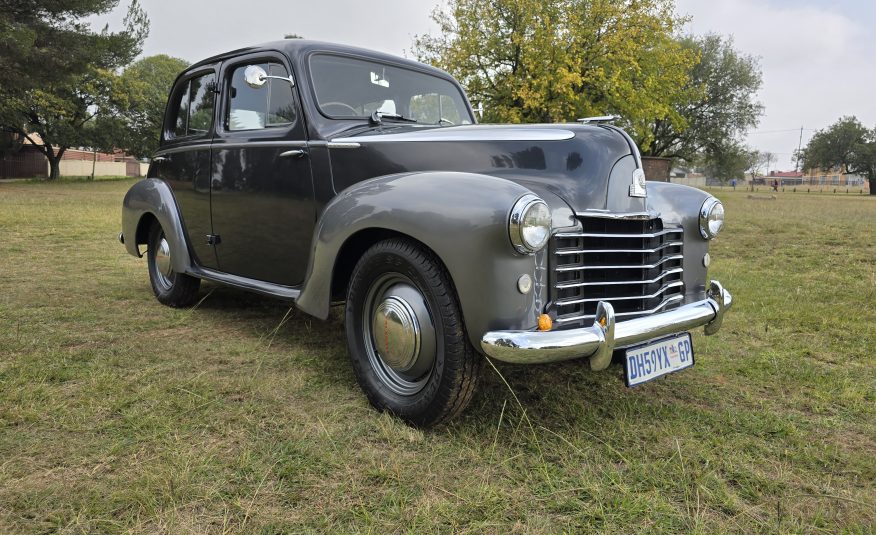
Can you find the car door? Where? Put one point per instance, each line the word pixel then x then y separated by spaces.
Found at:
pixel 184 158
pixel 262 190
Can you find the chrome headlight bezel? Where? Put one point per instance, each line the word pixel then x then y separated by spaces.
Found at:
pixel 712 206
pixel 517 224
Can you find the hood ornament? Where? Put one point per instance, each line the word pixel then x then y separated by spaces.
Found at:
pixel 599 119
pixel 637 188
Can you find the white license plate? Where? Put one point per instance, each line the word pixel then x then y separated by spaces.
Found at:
pixel 654 359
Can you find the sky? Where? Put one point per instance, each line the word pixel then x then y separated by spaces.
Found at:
pixel 818 56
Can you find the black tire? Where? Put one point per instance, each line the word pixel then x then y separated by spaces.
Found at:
pixel 438 386
pixel 170 288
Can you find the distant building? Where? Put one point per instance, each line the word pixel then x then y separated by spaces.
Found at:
pixel 832 177
pixel 23 159
pixel 697 180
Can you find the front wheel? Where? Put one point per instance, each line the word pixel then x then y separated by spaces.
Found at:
pixel 170 288
pixel 406 337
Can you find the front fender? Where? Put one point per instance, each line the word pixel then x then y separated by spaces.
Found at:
pixel 461 217
pixel 154 196
pixel 679 205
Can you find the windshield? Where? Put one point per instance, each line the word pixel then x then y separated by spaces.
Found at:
pixel 354 88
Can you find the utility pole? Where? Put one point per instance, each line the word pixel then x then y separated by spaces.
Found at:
pixel 799 146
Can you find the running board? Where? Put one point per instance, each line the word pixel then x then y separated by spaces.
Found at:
pixel 279 291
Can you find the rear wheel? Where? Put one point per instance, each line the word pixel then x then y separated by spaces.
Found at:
pixel 170 288
pixel 405 334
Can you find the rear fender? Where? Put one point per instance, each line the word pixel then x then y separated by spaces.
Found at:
pixel 154 196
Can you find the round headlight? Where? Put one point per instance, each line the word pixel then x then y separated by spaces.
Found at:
pixel 711 218
pixel 530 224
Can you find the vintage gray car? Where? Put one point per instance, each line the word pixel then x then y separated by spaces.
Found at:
pixel 322 174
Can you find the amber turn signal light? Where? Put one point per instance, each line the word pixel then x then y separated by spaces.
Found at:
pixel 545 323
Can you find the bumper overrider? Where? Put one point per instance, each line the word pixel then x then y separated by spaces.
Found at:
pixel 605 335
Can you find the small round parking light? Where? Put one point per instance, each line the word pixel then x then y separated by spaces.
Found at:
pixel 524 284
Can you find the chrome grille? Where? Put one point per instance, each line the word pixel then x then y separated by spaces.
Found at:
pixel 634 264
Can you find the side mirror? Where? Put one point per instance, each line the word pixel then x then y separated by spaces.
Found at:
pixel 256 77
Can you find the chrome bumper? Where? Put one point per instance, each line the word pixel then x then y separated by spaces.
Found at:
pixel 600 339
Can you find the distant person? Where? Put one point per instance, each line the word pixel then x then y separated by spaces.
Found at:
pixel 776 185
pixel 733 183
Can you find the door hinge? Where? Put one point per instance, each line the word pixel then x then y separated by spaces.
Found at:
pixel 213 239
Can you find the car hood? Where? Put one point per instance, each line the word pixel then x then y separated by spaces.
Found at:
pixel 574 162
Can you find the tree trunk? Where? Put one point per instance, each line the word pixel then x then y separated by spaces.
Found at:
pixel 54 161
pixel 54 166
pixel 872 183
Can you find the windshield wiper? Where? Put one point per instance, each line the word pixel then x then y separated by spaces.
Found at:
pixel 378 116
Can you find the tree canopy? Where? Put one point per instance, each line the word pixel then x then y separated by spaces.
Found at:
pixel 716 106
pixel 137 120
pixel 847 144
pixel 535 61
pixel 57 74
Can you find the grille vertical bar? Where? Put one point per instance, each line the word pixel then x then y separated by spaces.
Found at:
pixel 634 264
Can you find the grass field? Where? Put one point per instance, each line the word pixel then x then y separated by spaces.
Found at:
pixel 120 415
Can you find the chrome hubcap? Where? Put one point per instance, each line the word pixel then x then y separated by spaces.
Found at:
pixel 399 335
pixel 162 262
pixel 396 333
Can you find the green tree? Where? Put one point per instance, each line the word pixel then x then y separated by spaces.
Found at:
pixel 846 144
pixel 716 107
pixel 139 104
pixel 730 163
pixel 535 61
pixel 56 74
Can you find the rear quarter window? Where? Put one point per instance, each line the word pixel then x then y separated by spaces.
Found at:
pixel 192 107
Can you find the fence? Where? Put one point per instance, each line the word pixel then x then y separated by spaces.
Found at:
pixel 30 163
pixel 802 188
pixel 27 162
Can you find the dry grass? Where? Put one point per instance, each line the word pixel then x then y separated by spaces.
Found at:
pixel 120 415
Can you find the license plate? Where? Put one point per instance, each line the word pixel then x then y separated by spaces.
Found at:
pixel 646 362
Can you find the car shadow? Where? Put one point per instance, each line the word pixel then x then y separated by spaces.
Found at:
pixel 559 395
pixel 281 325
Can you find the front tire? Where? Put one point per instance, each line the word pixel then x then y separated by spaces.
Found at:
pixel 406 337
pixel 170 288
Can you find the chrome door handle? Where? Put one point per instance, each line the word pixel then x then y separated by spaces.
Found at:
pixel 294 153
pixel 159 159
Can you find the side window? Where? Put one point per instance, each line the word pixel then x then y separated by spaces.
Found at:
pixel 201 105
pixel 272 105
pixel 182 112
pixel 194 108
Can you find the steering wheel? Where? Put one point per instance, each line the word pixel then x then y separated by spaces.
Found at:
pixel 339 104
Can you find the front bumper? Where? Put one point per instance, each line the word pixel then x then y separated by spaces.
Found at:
pixel 600 339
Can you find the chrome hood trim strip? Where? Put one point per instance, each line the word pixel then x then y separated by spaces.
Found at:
pixel 466 133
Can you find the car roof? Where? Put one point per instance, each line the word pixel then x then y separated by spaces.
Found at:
pixel 297 48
